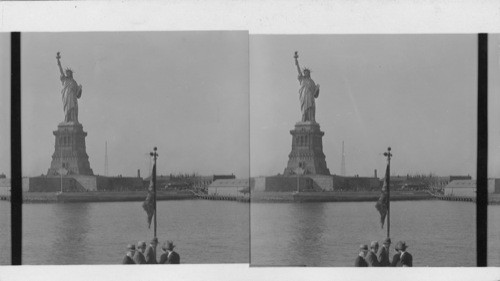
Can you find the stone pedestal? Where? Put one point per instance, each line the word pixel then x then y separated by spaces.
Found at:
pixel 307 150
pixel 70 152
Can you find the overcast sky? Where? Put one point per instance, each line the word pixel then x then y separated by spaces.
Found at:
pixel 415 93
pixel 494 105
pixel 187 93
pixel 5 104
pixel 184 92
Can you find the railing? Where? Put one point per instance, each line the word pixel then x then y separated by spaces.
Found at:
pixel 453 197
pixel 222 197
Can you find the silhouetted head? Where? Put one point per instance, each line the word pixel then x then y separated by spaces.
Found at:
pixel 169 245
pixel 141 246
pixel 130 247
pixel 374 246
pixel 154 241
pixel 363 249
pixel 401 246
pixel 387 242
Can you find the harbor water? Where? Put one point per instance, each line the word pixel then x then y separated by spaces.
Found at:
pixel 439 233
pixel 5 234
pixel 98 233
pixel 494 235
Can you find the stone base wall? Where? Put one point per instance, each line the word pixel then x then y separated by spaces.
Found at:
pixel 321 182
pixel 282 184
pixel 315 183
pixel 86 182
pixel 119 183
pixel 49 184
pixel 81 183
pixel 363 184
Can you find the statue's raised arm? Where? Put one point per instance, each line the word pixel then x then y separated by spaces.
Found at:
pixel 58 57
pixel 307 93
pixel 296 56
pixel 70 92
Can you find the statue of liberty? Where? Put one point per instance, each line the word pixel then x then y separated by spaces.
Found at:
pixel 70 93
pixel 307 93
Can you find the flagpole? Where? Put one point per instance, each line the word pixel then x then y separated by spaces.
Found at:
pixel 155 155
pixel 389 155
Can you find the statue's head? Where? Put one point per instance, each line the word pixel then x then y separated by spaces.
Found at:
pixel 69 72
pixel 307 72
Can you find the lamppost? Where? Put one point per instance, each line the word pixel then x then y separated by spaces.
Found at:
pixel 62 171
pixel 299 171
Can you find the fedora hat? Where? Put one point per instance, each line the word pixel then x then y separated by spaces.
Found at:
pixel 387 241
pixel 363 247
pixel 169 245
pixel 401 246
pixel 131 247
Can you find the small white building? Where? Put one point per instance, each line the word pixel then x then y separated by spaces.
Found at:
pixel 493 186
pixel 461 188
pixel 229 187
pixel 5 185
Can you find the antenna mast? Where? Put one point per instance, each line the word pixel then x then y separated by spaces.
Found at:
pixel 106 159
pixel 342 164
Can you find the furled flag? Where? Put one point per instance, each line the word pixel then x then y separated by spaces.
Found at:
pixel 148 204
pixel 383 201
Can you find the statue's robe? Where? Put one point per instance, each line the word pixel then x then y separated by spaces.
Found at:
pixel 307 93
pixel 70 94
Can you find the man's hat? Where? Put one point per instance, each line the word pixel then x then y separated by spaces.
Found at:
pixel 373 244
pixel 387 240
pixel 363 247
pixel 131 247
pixel 141 244
pixel 154 241
pixel 169 245
pixel 401 246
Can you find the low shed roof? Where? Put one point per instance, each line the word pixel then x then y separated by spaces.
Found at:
pixel 230 183
pixel 462 184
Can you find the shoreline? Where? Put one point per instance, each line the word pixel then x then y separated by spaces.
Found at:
pixel 335 196
pixel 255 197
pixel 359 196
pixel 100 196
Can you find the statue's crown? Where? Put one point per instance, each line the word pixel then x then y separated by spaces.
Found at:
pixel 307 69
pixel 69 69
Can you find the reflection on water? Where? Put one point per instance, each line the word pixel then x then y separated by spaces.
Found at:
pixel 98 233
pixel 55 232
pixel 5 235
pixel 329 234
pixel 494 235
pixel 308 234
pixel 70 233
pixel 313 234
